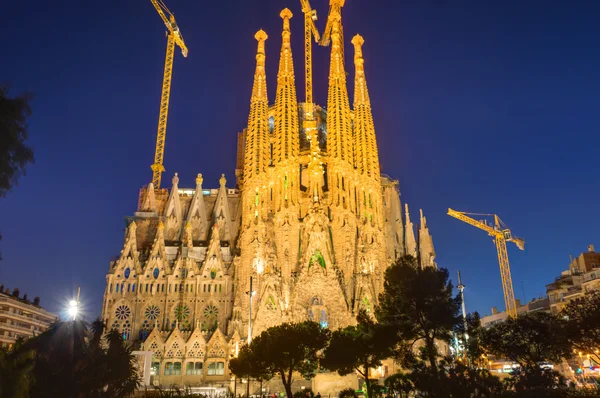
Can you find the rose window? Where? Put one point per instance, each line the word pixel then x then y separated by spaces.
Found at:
pixel 152 312
pixel 122 312
pixel 211 311
pixel 182 312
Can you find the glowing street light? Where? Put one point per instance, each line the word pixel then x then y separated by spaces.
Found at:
pixel 73 309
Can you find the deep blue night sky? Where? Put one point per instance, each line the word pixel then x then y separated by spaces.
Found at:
pixel 482 106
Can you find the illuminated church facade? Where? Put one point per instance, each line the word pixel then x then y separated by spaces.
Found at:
pixel 310 223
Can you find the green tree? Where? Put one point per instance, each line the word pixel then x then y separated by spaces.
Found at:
pixel 16 365
pixel 251 364
pixel 583 325
pixel 418 303
pixel 529 339
pixel 71 361
pixel 14 153
pixel 370 343
pixel 400 385
pixel 285 349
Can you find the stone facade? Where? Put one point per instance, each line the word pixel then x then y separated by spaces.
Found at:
pixel 311 225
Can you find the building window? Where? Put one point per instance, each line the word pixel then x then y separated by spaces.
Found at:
pixel 155 368
pixel 216 369
pixel 177 368
pixel 133 288
pixel 193 368
pixel 168 368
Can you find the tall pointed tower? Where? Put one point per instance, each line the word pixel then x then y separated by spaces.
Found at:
pixel 306 231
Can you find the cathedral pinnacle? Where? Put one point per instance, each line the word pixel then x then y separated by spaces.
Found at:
pixel 286 143
pixel 199 180
pixel 411 243
pixel 365 144
pixel 257 144
pixel 222 180
pixel 339 144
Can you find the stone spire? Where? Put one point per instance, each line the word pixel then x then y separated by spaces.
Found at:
pixel 411 243
pixel 339 125
pixel 149 203
pixel 256 157
pixel 286 144
pixel 365 144
pixel 197 215
pixel 426 250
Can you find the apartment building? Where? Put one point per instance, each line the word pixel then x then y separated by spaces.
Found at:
pixel 20 317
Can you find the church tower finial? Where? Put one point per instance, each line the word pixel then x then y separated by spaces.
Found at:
pixel 257 144
pixel 339 144
pixel 365 144
pixel 286 144
pixel 411 243
pixel 426 250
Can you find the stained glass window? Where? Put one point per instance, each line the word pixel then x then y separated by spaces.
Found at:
pixel 152 312
pixel 318 257
pixel 122 312
pixel 127 273
pixel 155 273
pixel 323 321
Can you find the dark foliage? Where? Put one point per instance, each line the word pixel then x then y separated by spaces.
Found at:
pixel 69 360
pixel 529 339
pixel 370 342
pixel 583 325
pixel 14 153
pixel 282 350
pixel 419 305
pixel 348 393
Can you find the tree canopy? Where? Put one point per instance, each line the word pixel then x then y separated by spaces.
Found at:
pixel 583 325
pixel 14 153
pixel 370 343
pixel 283 350
pixel 418 303
pixel 529 339
pixel 69 360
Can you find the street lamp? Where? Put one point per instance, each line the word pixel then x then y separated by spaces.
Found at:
pixel 73 309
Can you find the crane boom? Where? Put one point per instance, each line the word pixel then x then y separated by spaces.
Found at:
pixel 174 37
pixel 310 31
pixel 501 236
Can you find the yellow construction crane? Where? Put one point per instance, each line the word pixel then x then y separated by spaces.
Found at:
pixel 173 37
pixel 310 30
pixel 334 5
pixel 501 234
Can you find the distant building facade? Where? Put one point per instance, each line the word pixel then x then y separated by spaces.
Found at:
pixel 582 277
pixel 21 318
pixel 539 304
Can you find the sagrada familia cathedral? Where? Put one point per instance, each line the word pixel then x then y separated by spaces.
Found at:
pixel 305 231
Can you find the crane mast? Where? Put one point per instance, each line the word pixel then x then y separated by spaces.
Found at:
pixel 501 234
pixel 334 6
pixel 310 30
pixel 174 37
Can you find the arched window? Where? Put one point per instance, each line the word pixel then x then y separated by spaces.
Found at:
pixel 323 320
pixel 177 368
pixel 168 368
